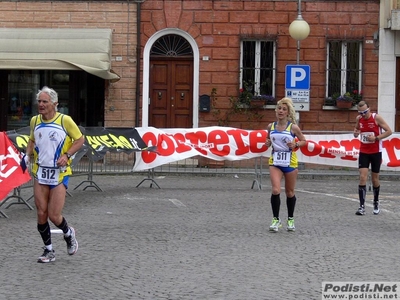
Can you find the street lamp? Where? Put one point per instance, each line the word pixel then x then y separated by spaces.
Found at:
pixel 299 30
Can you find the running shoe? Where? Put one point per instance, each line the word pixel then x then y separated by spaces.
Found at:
pixel 47 256
pixel 72 243
pixel 360 211
pixel 275 224
pixel 376 208
pixel 290 225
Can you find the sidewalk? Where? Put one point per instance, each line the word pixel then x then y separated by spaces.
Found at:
pixel 201 237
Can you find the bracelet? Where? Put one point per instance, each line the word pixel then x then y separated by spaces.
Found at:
pixel 297 145
pixel 376 139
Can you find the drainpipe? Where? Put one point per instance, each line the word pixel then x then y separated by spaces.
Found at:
pixel 138 50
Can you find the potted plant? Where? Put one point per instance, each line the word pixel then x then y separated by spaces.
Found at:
pixel 344 101
pixel 239 106
pixel 269 100
pixel 261 100
pixel 248 98
pixel 357 96
pixel 329 101
pixel 257 101
pixel 245 94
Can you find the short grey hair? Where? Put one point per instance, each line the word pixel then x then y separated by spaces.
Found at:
pixel 49 91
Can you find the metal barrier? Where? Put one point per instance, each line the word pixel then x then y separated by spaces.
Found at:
pixel 150 177
pixel 122 163
pixel 17 197
pixel 89 180
pixel 83 168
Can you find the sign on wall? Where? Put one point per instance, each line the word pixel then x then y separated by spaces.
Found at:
pixel 297 86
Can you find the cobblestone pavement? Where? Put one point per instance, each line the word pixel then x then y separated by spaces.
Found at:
pixel 201 238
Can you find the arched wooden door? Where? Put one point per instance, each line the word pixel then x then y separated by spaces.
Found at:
pixel 171 83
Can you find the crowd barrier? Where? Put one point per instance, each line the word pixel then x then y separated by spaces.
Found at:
pixel 113 163
pixel 17 198
pixel 83 168
pixel 122 164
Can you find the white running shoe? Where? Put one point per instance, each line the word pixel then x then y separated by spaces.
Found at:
pixel 360 211
pixel 290 225
pixel 376 208
pixel 47 256
pixel 275 225
pixel 72 243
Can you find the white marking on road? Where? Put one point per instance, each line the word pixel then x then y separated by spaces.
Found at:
pixel 341 197
pixel 177 202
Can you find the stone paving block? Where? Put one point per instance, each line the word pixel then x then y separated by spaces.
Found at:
pixel 201 238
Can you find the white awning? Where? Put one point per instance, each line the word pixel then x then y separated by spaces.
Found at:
pixel 57 49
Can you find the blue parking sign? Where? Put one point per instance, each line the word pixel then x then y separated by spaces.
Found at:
pixel 297 77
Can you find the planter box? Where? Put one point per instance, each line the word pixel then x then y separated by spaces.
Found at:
pixel 257 103
pixel 344 104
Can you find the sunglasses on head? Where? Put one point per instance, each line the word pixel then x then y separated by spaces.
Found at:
pixel 363 112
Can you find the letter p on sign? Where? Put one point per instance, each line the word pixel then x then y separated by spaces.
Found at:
pixel 298 74
pixel 297 77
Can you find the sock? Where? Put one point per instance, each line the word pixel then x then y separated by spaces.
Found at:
pixel 275 204
pixel 376 193
pixel 64 227
pixel 362 191
pixel 44 230
pixel 290 203
pixel 49 247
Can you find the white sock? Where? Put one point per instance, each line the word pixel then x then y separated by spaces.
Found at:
pixel 49 247
pixel 68 233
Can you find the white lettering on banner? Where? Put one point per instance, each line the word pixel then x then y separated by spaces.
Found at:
pixel 134 143
pixel 226 143
pixel 4 173
pixel 204 146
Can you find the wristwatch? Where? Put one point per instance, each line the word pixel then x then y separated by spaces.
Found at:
pixel 376 138
pixel 68 155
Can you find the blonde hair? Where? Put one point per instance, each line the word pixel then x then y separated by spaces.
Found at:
pixel 289 104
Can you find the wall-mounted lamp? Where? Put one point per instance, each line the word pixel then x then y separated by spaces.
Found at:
pixel 299 29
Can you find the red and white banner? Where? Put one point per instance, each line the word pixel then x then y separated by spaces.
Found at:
pixel 11 174
pixel 226 143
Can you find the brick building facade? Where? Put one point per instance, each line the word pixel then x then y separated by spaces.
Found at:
pixel 217 28
pixel 217 33
pixel 112 102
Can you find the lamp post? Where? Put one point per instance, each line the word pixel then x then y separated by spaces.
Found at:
pixel 299 30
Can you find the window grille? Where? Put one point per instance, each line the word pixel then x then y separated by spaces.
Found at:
pixel 171 45
pixel 257 67
pixel 344 68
